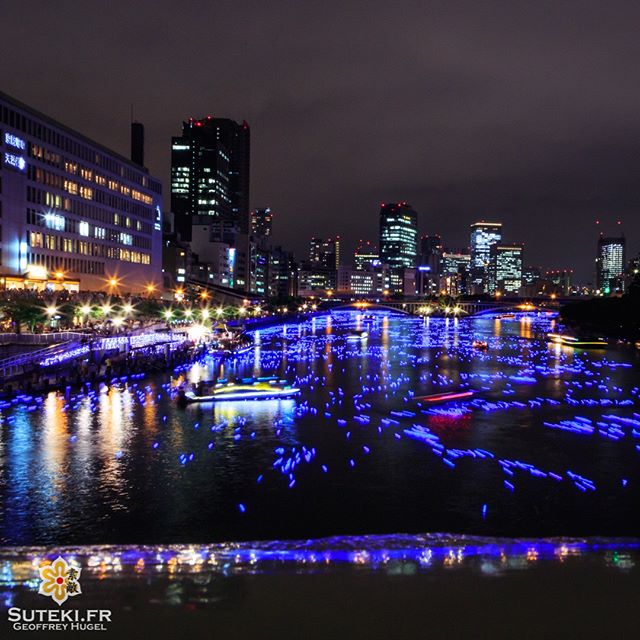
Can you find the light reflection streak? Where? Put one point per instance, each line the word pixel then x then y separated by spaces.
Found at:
pixel 427 552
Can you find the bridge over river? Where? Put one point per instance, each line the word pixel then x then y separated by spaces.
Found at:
pixel 460 308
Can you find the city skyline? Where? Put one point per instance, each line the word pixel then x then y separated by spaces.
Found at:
pixel 320 319
pixel 535 141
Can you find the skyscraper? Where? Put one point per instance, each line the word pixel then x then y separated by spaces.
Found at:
pixel 610 263
pixel 431 251
pixel 454 272
pixel 505 268
pixel 210 174
pixel 483 235
pixel 315 251
pixel 398 241
pixel 261 222
pixel 324 254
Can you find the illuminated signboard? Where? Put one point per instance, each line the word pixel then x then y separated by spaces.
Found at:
pixel 17 162
pixel 14 141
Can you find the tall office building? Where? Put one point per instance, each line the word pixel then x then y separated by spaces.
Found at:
pixel 283 274
pixel 398 241
pixel 315 251
pixel 483 235
pixel 210 173
pixel 431 251
pixel 210 186
pixel 262 222
pixel 505 268
pixel 610 265
pixel 325 254
pixel 73 214
pixel 454 272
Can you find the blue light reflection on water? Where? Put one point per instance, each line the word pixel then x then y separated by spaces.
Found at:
pixel 548 445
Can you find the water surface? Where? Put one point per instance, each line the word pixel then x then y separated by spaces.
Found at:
pixel 548 445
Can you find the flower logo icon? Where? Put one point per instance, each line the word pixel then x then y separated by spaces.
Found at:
pixel 60 580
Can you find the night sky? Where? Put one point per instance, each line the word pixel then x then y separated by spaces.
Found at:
pixel 526 112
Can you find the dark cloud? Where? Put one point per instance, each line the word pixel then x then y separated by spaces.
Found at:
pixel 526 112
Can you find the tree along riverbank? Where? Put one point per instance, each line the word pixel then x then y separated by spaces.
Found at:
pixel 616 318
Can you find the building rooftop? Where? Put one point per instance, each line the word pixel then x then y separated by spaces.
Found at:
pixel 55 123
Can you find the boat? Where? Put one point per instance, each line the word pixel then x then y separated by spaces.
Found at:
pixel 445 397
pixel 357 335
pixel 506 316
pixel 232 344
pixel 244 389
pixel 573 341
pixel 480 344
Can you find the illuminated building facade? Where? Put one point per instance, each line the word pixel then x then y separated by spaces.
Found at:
pixel 610 265
pixel 210 173
pixel 73 210
pixel 455 272
pixel 483 236
pixel 210 164
pixel 505 268
pixel 324 254
pixel 398 241
pixel 316 282
pixel 361 282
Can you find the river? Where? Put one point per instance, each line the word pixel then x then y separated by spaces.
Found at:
pixel 548 445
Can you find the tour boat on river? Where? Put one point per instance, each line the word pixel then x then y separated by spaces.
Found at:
pixel 244 389
pixel 573 341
